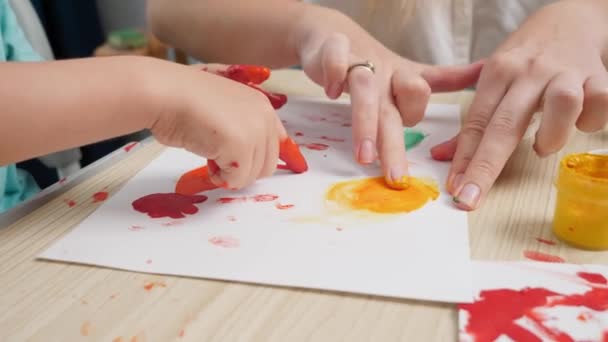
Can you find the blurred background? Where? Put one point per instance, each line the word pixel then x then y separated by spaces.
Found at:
pixel 62 29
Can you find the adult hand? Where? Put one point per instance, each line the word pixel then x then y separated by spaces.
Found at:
pixel 553 62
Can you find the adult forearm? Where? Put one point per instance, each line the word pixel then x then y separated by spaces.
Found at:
pixel 51 106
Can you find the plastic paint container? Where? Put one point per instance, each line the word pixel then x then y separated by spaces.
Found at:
pixel 581 212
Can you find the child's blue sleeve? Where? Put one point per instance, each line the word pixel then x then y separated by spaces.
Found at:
pixel 17 47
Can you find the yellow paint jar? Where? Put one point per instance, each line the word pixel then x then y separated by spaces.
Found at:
pixel 581 212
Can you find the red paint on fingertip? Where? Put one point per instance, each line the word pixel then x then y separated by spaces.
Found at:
pixel 543 257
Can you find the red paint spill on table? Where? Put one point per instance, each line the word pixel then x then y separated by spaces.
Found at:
pixel 224 241
pixel 130 146
pixel 593 278
pixel 299 134
pixel 545 241
pixel 316 146
pixel 495 313
pixel 152 284
pixel 70 203
pixel 284 206
pixel 100 196
pixel 333 139
pixel 168 205
pixel 538 256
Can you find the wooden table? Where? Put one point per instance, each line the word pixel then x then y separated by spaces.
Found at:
pixel 46 301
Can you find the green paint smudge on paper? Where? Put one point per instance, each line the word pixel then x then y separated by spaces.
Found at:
pixel 412 138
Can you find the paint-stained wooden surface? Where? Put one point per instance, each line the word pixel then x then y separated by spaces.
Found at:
pixel 45 301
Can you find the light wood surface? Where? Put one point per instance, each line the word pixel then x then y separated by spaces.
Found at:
pixel 46 301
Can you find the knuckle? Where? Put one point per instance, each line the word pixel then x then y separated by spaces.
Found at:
pixel 565 96
pixel 599 95
pixel 483 169
pixel 503 66
pixel 475 126
pixel 361 78
pixel 503 124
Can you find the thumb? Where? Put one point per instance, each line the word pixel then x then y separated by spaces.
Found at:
pixel 445 151
pixel 452 78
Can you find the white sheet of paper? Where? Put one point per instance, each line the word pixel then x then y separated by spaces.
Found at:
pixel 575 310
pixel 422 255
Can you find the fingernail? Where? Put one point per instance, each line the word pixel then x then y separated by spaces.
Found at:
pixel 334 90
pixel 366 152
pixel 456 182
pixel 398 179
pixel 468 196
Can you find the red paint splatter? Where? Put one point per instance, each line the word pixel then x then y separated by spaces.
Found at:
pixel 593 278
pixel 284 206
pixel 545 241
pixel 130 146
pixel 234 165
pixel 584 316
pixel 227 200
pixel 264 198
pixel 63 180
pixel 172 223
pixel 316 146
pixel 496 311
pixel 224 241
pixel 100 196
pixel 149 261
pixel 299 134
pixel 152 284
pixel 538 256
pixel 256 198
pixel 333 139
pixel 231 218
pixel 168 205
pixel 136 228
pixel 70 203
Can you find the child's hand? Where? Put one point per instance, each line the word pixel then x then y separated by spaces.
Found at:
pixel 221 120
pixel 554 62
pixel 396 94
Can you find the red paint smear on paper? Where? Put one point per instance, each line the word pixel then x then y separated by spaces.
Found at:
pixel 168 205
pixel 172 223
pixel 299 134
pixel 224 241
pixel 333 139
pixel 234 165
pixel 100 196
pixel 136 228
pixel 264 198
pixel 130 146
pixel 593 278
pixel 284 206
pixel 496 311
pixel 316 146
pixel 152 284
pixel 538 256
pixel 85 328
pixel 546 242
pixel 227 200
pixel 70 203
pixel 256 198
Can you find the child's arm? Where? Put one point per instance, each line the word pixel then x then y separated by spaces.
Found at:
pixel 50 106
